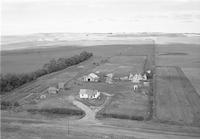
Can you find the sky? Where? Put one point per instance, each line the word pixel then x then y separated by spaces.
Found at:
pixel 45 16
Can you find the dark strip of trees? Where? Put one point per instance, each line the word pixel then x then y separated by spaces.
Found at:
pixel 63 111
pixel 11 81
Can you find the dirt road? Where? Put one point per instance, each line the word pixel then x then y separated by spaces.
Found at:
pixel 87 131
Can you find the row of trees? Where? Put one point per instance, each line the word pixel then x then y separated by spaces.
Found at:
pixel 11 81
pixel 5 105
pixel 62 111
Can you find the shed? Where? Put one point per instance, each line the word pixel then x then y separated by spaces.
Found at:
pixel 61 85
pixel 52 90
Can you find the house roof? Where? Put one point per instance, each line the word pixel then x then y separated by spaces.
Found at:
pixel 93 75
pixel 88 91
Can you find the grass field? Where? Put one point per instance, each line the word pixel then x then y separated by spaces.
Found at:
pixel 176 99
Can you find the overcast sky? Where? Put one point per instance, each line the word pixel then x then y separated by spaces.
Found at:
pixel 35 16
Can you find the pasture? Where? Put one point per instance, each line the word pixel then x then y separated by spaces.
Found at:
pixel 185 56
pixel 122 65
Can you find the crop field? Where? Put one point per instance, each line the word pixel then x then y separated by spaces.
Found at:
pixel 28 60
pixel 193 75
pixel 176 99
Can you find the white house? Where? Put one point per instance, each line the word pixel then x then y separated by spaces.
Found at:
pixel 91 78
pixel 90 94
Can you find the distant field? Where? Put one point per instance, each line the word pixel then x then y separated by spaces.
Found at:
pixel 27 60
pixel 176 98
pixel 23 61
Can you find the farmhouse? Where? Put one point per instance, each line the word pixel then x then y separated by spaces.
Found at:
pixel 90 94
pixel 91 78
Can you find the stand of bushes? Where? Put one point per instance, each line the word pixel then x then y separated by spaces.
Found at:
pixel 6 105
pixel 10 81
pixel 58 111
pixel 121 116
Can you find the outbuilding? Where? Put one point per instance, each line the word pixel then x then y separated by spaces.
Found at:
pixel 61 85
pixel 52 90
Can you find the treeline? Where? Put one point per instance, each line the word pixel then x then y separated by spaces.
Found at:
pixel 59 111
pixel 5 105
pixel 120 116
pixel 11 81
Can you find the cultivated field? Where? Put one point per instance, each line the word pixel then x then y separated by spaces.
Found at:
pixel 176 99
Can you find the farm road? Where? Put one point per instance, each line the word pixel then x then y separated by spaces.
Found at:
pixel 89 113
pixel 103 130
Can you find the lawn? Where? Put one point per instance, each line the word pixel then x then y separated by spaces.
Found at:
pixel 126 103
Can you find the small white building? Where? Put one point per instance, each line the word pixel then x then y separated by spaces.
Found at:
pixel 109 78
pixel 91 78
pixel 90 94
pixel 135 87
pixel 130 76
pixel 61 85
pixel 145 77
pixel 52 90
pixel 148 71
